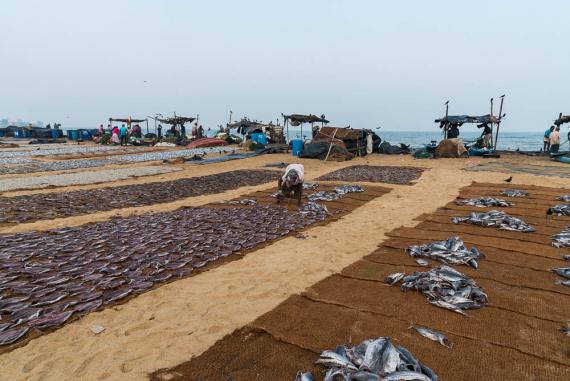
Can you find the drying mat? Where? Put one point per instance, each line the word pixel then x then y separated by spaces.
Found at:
pixel 531 169
pixel 515 337
pixel 375 174
pixel 45 206
pixel 179 257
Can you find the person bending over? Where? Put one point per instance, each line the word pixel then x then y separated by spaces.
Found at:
pixel 290 185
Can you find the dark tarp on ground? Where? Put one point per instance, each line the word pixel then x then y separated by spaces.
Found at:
pixel 450 148
pixel 232 156
pixel 319 150
pixel 460 119
pixel 388 149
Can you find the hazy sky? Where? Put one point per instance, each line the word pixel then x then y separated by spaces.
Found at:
pixel 366 63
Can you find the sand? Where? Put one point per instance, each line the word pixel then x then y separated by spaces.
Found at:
pixel 169 325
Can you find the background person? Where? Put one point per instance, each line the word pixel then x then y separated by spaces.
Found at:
pixel 555 140
pixel 546 146
pixel 123 133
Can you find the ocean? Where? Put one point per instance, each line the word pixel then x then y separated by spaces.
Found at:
pixel 525 141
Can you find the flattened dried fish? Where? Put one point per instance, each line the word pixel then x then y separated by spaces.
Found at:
pixel 514 193
pixel 12 335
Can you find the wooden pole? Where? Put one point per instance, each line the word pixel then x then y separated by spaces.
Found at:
pixel 499 121
pixel 491 119
pixel 331 144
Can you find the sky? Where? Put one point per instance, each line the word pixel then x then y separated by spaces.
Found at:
pixel 363 63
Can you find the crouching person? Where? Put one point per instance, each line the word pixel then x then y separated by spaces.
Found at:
pixel 290 185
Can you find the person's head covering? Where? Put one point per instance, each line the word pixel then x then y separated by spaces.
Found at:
pixel 292 178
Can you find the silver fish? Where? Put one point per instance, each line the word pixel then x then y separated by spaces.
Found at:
pixel 394 278
pixel 304 376
pixel 12 335
pixel 433 335
pixel 406 376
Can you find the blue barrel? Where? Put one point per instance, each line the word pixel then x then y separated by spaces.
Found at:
pixel 54 134
pixel 297 146
pixel 20 134
pixel 73 134
pixel 2 133
pixel 85 134
pixel 68 132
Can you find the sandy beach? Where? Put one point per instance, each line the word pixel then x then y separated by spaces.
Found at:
pixel 180 320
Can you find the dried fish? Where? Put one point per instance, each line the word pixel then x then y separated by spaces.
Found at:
pixel 495 218
pixel 559 210
pixel 484 202
pixel 372 360
pixel 433 335
pixel 12 335
pixel 514 193
pixel 375 174
pixel 444 287
pixel 452 251
pixel 51 320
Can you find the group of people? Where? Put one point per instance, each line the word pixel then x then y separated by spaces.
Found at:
pixel 552 139
pixel 120 135
pixel 197 131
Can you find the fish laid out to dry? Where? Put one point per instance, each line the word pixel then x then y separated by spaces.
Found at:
pixel 372 360
pixel 565 198
pixel 514 193
pixel 444 287
pixel 453 252
pixel 562 239
pixel 336 194
pixel 375 174
pixel 497 219
pixel 433 335
pixel 559 210
pixel 485 202
pixel 47 278
pixel 244 201
pixel 34 207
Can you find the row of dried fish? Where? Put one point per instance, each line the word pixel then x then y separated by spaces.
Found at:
pixel 444 287
pixel 335 194
pixel 514 193
pixel 372 360
pixel 495 218
pixel 48 277
pixel 485 202
pixel 375 174
pixel 67 150
pixel 28 208
pixel 91 163
pixel 452 252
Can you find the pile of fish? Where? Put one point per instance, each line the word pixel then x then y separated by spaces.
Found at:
pixel 485 202
pixel 559 210
pixel 565 273
pixel 514 193
pixel 453 252
pixel 46 278
pixel 375 174
pixel 90 163
pixel 313 207
pixel 497 219
pixel 565 198
pixel 34 207
pixel 336 194
pixel 444 287
pixel 562 239
pixel 372 360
